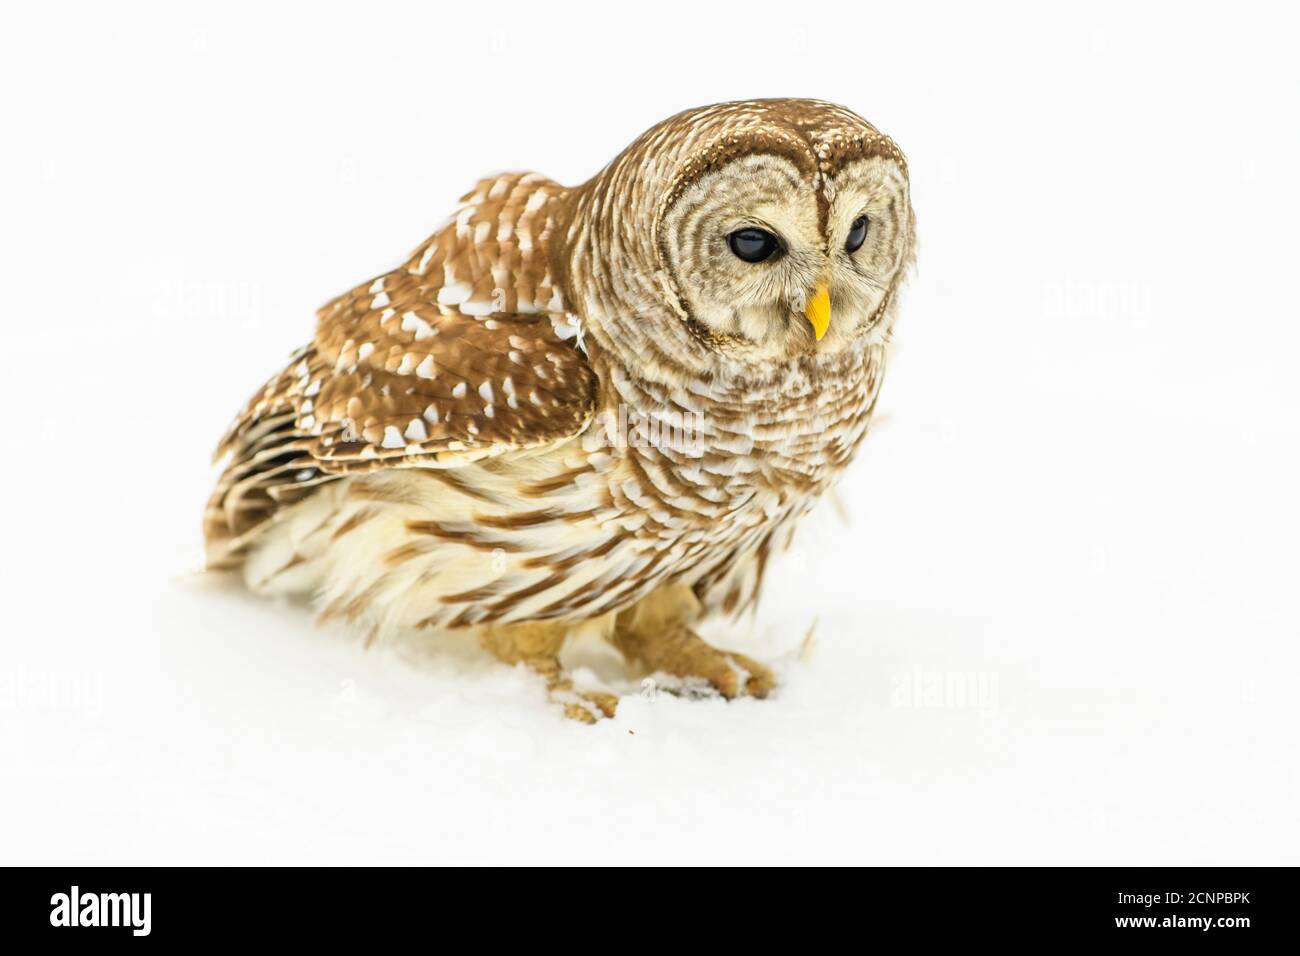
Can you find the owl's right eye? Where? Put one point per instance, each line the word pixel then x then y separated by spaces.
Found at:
pixel 753 245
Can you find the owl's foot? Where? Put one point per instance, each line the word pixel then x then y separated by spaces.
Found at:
pixel 538 646
pixel 683 653
pixel 653 634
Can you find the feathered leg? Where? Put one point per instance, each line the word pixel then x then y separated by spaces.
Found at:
pixel 656 633
pixel 537 644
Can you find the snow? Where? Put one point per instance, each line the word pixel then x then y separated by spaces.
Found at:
pixel 1059 624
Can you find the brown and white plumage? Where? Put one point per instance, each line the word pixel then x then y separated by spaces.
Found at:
pixel 567 400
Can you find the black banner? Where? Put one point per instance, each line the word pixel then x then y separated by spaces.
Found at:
pixel 976 906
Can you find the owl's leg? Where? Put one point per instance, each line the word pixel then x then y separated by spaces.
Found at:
pixel 537 644
pixel 656 633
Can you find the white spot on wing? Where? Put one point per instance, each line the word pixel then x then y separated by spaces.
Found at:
pixel 454 293
pixel 411 322
pixel 424 259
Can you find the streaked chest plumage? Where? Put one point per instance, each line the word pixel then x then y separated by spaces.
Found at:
pixel 675 483
pixel 681 484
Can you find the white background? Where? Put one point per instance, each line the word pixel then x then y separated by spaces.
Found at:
pixel 1059 626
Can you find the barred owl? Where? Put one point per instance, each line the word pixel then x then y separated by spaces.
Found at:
pixel 600 407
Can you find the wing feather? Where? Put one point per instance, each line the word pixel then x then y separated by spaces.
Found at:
pixel 462 353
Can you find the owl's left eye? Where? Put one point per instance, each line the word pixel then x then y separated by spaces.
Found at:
pixel 857 235
pixel 753 245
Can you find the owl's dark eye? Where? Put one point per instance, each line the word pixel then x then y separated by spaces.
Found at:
pixel 857 235
pixel 753 245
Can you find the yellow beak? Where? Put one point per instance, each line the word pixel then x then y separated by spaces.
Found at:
pixel 819 310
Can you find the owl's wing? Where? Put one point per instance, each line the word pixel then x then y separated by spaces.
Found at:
pixel 462 353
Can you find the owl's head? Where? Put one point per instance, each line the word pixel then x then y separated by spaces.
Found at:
pixel 771 229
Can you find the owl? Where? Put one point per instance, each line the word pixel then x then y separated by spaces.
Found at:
pixel 591 409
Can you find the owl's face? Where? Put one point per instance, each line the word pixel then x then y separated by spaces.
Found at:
pixel 772 261
pixel 733 242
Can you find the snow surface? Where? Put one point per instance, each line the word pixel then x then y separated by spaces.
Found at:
pixel 1059 625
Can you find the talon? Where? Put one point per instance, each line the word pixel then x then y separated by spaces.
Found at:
pixel 586 707
pixel 579 713
pixel 759 679
pixel 727 680
pixel 607 704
